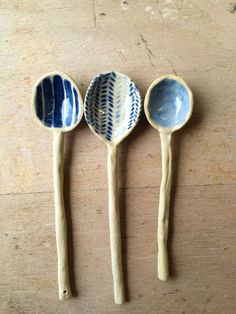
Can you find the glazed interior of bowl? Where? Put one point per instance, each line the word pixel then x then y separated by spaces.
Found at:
pixel 169 103
pixel 112 105
pixel 57 102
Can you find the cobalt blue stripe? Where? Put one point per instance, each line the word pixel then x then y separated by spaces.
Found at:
pixel 69 96
pixel 59 97
pixel 76 104
pixel 48 102
pixel 39 105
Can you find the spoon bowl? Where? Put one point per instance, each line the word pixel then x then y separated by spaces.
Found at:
pixel 169 103
pixel 58 107
pixel 168 106
pixel 112 106
pixel 112 109
pixel 57 102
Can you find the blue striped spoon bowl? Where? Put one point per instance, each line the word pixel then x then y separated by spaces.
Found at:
pixel 58 107
pixel 112 109
pixel 168 106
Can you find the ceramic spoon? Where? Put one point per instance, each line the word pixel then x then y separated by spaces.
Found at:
pixel 58 107
pixel 168 106
pixel 112 108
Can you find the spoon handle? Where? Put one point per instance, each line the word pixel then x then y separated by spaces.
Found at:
pixel 163 212
pixel 114 224
pixel 60 217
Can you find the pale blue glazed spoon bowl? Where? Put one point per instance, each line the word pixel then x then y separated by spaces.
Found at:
pixel 168 103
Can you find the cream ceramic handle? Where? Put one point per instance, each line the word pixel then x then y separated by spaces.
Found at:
pixel 163 215
pixel 60 218
pixel 114 223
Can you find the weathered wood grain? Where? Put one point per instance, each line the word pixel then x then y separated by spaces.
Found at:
pixel 202 252
pixel 143 39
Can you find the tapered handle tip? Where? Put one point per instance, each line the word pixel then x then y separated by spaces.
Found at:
pixel 162 267
pixel 65 295
pixel 119 299
pixel 163 276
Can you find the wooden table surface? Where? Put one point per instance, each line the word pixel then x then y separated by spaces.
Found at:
pixel 143 39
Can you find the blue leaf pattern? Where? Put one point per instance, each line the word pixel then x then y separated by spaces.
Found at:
pixel 112 105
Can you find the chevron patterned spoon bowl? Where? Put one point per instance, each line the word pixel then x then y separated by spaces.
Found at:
pixel 58 107
pixel 112 109
pixel 168 106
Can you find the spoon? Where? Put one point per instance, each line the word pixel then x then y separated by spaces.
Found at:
pixel 168 106
pixel 112 108
pixel 58 106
